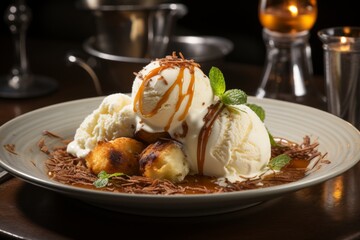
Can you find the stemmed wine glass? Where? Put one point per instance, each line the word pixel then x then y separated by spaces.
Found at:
pixel 288 71
pixel 20 82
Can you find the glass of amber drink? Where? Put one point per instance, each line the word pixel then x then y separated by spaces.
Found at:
pixel 288 68
pixel 288 16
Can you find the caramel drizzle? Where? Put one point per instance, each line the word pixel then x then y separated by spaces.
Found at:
pixel 203 138
pixel 165 63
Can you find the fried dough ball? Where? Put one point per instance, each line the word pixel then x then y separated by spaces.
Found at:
pixel 164 159
pixel 118 155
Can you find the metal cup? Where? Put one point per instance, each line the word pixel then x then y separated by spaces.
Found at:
pixel 138 28
pixel 341 47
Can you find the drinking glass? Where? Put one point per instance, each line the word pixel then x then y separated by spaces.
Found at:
pixel 341 47
pixel 20 82
pixel 288 71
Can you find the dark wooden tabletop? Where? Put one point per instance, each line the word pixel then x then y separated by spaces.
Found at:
pixel 330 210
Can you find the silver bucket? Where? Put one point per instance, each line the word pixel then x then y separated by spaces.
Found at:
pixel 114 73
pixel 139 29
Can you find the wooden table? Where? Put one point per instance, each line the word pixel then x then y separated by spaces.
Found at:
pixel 330 210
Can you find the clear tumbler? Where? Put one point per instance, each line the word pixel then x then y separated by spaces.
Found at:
pixel 341 47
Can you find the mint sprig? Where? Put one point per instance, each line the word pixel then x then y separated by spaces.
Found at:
pixel 218 85
pixel 261 114
pixel 234 96
pixel 217 81
pixel 272 140
pixel 258 110
pixel 103 178
pixel 279 161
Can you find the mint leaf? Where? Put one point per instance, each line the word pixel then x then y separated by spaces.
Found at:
pixel 279 161
pixel 234 97
pixel 102 174
pixel 258 110
pixel 101 182
pixel 272 141
pixel 217 81
pixel 103 178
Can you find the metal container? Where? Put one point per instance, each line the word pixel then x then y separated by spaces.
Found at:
pixel 136 28
pixel 114 73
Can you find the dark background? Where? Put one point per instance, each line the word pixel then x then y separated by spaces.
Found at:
pixel 237 21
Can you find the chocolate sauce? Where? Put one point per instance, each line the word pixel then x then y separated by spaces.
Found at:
pixel 213 112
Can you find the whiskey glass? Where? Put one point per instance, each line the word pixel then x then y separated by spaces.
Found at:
pixel 288 71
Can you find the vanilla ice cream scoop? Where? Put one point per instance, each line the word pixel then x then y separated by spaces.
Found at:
pixel 167 90
pixel 113 118
pixel 233 144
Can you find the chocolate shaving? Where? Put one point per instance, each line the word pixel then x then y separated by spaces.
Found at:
pixel 51 134
pixel 67 169
pixel 42 146
pixel 10 148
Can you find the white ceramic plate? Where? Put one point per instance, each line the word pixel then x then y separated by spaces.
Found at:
pixel 336 137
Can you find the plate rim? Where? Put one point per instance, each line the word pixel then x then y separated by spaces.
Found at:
pixel 246 194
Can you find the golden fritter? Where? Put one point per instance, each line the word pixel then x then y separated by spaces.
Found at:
pixel 118 155
pixel 164 159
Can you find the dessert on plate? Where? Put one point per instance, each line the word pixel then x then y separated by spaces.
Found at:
pixel 178 132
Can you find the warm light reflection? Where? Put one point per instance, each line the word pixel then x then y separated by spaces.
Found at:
pixel 343 39
pixel 338 197
pixel 347 30
pixel 17 110
pixel 293 10
pixel 338 190
pixel 333 194
pixel 299 86
pixel 92 4
pixel 344 44
pixel 137 28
